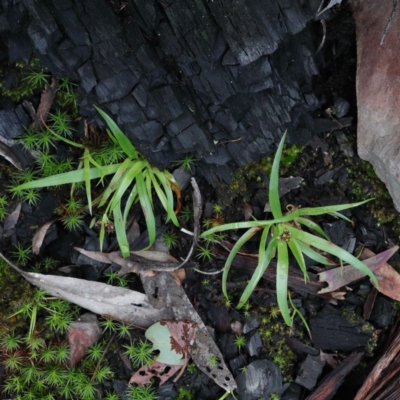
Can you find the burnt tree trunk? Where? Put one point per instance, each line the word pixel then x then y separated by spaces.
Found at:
pixel 221 79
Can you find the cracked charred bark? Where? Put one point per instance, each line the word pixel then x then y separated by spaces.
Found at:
pixel 221 79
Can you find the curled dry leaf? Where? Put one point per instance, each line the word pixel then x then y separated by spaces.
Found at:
pixel 37 240
pixel 9 155
pixel 248 211
pixel 11 220
pixel 386 275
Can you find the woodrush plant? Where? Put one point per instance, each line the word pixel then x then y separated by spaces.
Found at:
pixel 134 175
pixel 285 233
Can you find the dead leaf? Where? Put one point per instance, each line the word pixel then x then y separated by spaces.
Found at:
pixel 37 240
pixel 46 100
pixel 248 211
pixel 330 358
pixel 119 303
pixel 9 155
pixel 11 220
pixel 163 290
pixel 144 375
pixel 182 336
pixel 339 277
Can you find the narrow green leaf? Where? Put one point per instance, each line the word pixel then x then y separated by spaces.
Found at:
pixel 329 209
pixel 274 201
pixel 312 225
pixel 296 311
pixel 340 215
pixel 124 142
pixel 263 263
pixel 165 180
pixel 65 140
pixel 33 321
pixel 132 198
pixel 149 187
pixel 298 255
pixel 249 224
pixel 309 252
pixel 235 249
pixel 67 177
pixel 115 181
pixel 96 165
pixel 120 231
pixel 126 181
pixel 147 209
pixel 104 221
pixel 331 248
pixel 282 271
pixel 86 170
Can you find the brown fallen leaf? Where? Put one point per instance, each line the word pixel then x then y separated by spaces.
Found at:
pixel 144 375
pixel 248 211
pixel 11 220
pixel 9 155
pixel 122 304
pixel 46 100
pixel 330 358
pixel 386 275
pixel 37 240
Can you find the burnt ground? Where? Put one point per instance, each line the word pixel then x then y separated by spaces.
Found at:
pixel 332 174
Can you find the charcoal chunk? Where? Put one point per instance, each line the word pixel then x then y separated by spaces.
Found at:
pixel 382 313
pixel 333 331
pixel 310 370
pixel 115 87
pixel 13 122
pixel 19 48
pixel 261 378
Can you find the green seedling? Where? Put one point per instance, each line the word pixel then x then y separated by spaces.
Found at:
pixel 140 353
pixel 170 239
pixel 187 213
pixel 10 342
pixel 109 325
pixel 21 254
pixel 60 123
pixel 188 163
pixel 286 233
pixel 37 79
pixel 240 342
pixel 204 253
pixel 134 176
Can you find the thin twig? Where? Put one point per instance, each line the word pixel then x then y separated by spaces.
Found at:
pixel 102 356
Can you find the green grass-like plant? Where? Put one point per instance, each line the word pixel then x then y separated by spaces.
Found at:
pixel 286 233
pixel 133 176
